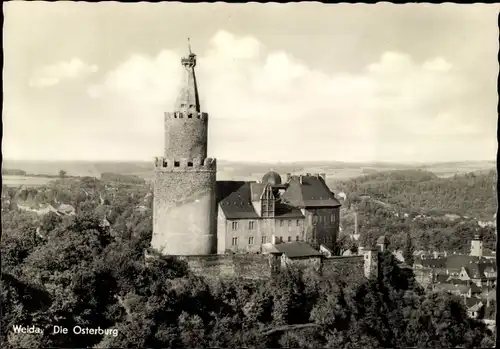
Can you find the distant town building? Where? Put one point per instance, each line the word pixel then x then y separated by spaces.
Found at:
pixel 476 248
pixel 382 243
pixel 472 278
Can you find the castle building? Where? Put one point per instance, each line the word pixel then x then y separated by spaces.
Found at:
pixel 251 214
pixel 193 214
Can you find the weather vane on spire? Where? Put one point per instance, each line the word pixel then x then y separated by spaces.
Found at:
pixel 190 60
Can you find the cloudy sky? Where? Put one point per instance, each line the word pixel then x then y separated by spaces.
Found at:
pixel 90 81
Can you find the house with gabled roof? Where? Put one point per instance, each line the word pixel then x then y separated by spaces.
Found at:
pixel 458 289
pixel 481 274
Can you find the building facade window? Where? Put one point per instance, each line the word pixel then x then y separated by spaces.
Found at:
pixel 250 240
pixel 289 223
pixel 234 225
pixel 251 225
pixel 281 223
pixel 298 222
pixel 235 241
pixel 281 238
pixel 297 238
pixel 289 239
pixel 264 239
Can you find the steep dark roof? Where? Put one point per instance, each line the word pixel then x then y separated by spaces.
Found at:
pixel 441 278
pixel 382 240
pixel 234 199
pixel 471 303
pixel 297 249
pixel 312 192
pixel 256 190
pixel 286 211
pixel 488 267
pixel 459 261
pixel 452 288
pixel 474 271
pixel 433 262
pixel 477 270
pixel 456 281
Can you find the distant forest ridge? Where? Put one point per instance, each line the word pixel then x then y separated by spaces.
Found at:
pixel 470 194
pixel 238 170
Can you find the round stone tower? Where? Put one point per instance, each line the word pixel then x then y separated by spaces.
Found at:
pixel 184 207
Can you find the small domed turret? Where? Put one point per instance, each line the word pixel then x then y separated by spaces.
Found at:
pixel 272 178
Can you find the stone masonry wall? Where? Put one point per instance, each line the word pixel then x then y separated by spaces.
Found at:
pixel 186 135
pixel 231 266
pixel 256 266
pixel 184 212
pixel 346 268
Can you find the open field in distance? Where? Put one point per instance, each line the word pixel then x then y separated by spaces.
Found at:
pixel 228 170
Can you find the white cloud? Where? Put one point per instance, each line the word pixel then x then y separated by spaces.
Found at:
pixel 53 74
pixel 437 65
pixel 267 101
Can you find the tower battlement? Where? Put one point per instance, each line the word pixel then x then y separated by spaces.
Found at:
pixel 185 164
pixel 186 115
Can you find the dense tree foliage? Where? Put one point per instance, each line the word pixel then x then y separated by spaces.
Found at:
pixel 472 194
pixel 411 207
pixel 76 271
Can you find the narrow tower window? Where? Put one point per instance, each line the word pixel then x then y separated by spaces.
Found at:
pixel 190 164
pixel 177 163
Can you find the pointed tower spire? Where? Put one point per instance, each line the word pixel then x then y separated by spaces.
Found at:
pixel 188 99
